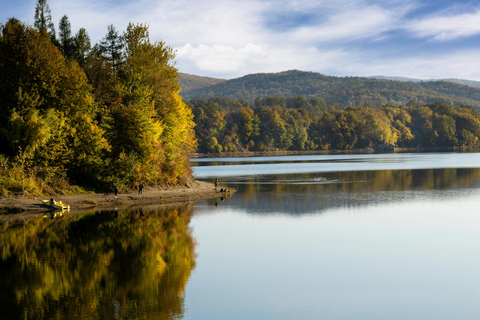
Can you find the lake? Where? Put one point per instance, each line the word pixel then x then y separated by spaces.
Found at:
pixel 380 236
pixel 391 236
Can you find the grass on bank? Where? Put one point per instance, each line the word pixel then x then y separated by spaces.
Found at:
pixel 16 180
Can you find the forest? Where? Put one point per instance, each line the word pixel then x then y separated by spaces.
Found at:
pixel 346 91
pixel 279 123
pixel 95 116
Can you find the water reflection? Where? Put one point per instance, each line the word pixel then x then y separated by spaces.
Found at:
pixel 226 167
pixel 378 158
pixel 112 264
pixel 314 192
pixel 338 241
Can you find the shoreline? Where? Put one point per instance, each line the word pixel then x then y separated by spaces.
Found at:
pixel 196 191
pixel 228 154
pixel 199 190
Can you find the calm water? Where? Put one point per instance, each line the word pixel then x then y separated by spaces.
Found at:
pixel 392 236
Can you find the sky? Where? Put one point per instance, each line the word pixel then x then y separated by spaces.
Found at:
pixel 426 39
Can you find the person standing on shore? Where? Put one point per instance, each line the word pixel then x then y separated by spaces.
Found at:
pixel 140 188
pixel 216 184
pixel 115 190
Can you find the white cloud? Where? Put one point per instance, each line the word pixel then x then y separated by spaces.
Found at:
pixel 177 22
pixel 223 62
pixel 460 64
pixel 352 24
pixel 447 27
pixel 230 38
pixel 222 58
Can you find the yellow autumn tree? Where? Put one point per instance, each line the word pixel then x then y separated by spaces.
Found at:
pixel 153 126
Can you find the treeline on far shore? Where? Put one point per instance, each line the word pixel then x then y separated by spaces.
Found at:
pixel 278 123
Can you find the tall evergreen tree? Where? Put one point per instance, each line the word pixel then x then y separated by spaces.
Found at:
pixel 82 46
pixel 43 19
pixel 66 39
pixel 111 46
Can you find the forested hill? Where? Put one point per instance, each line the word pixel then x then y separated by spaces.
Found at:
pixel 470 83
pixel 348 91
pixel 190 82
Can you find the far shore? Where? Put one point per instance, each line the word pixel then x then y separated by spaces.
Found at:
pixel 271 153
pixel 198 190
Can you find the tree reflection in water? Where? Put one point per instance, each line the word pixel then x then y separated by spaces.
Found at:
pixel 121 264
pixel 314 192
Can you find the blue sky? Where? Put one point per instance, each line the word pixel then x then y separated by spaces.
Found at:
pixel 427 39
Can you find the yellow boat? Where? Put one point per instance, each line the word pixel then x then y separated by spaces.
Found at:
pixel 58 205
pixel 54 214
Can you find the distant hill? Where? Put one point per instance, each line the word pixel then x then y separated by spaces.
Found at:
pixel 190 82
pixel 471 83
pixel 349 91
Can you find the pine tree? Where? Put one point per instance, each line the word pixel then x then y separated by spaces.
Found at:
pixel 111 46
pixel 66 39
pixel 82 46
pixel 43 19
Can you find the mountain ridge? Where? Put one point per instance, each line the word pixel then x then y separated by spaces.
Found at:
pixel 191 81
pixel 471 83
pixel 348 91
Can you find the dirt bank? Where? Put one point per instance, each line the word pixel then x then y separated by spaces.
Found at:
pixel 199 190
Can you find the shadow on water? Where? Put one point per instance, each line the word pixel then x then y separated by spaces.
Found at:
pixel 314 192
pixel 117 264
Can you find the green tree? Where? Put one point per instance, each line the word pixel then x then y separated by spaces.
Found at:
pixel 111 46
pixel 299 102
pixel 248 126
pixel 30 69
pixel 43 19
pixel 82 46
pixel 467 122
pixel 335 130
pixel 210 123
pixel 273 133
pixel 444 131
pixel 422 126
pixel 67 43
pixel 275 102
pixel 48 107
pixel 102 80
pixel 318 105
